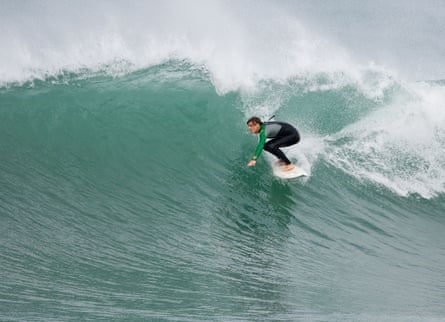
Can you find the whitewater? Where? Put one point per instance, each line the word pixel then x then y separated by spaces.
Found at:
pixel 124 190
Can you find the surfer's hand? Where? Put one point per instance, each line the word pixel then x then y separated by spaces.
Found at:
pixel 251 163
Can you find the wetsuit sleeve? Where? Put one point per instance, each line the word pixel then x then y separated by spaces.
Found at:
pixel 261 143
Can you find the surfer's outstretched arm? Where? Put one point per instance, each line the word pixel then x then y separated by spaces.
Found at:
pixel 259 147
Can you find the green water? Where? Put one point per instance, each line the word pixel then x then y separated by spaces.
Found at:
pixel 129 198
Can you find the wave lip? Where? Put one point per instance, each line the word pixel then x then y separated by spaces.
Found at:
pixel 239 43
pixel 47 39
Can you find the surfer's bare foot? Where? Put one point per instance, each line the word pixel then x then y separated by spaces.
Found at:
pixel 289 167
pixel 280 163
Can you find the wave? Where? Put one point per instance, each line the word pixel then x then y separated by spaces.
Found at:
pixel 125 189
pixel 381 131
pixel 123 150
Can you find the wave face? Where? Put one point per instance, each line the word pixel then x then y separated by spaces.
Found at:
pixel 124 188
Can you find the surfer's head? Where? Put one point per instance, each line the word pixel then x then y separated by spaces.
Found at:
pixel 254 124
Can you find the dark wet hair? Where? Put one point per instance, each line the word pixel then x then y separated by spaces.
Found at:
pixel 255 120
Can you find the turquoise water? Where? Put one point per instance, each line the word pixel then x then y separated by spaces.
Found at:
pixel 125 194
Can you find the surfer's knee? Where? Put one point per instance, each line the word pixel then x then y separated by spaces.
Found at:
pixel 270 147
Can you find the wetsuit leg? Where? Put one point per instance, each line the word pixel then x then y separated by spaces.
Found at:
pixel 273 145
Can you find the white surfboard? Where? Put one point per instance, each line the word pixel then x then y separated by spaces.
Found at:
pixel 294 173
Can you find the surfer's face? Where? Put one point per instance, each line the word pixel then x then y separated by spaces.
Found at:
pixel 254 127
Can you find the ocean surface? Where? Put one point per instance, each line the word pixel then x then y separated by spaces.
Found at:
pixel 124 190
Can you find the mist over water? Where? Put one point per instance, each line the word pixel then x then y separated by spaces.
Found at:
pixel 238 42
pixel 403 36
pixel 124 191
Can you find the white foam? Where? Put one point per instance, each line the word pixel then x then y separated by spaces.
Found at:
pixel 400 145
pixel 239 43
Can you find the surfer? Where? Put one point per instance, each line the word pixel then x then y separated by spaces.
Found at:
pixel 281 134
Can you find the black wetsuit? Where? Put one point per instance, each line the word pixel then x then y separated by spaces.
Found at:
pixel 281 134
